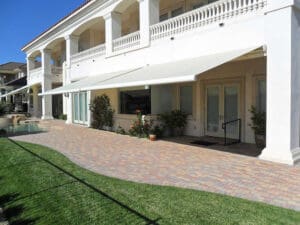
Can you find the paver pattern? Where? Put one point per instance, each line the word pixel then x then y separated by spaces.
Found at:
pixel 173 164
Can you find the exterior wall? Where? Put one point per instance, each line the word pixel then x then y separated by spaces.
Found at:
pixel 245 72
pixel 205 41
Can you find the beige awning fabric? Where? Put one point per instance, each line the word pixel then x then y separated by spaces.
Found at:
pixel 167 73
pixel 85 82
pixel 15 91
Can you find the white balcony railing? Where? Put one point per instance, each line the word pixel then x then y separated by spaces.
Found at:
pixel 35 75
pixel 95 51
pixel 56 70
pixel 56 74
pixel 128 42
pixel 215 12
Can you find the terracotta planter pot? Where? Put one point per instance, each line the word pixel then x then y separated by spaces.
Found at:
pixel 152 137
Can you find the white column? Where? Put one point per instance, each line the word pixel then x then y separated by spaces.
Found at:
pixel 30 66
pixel 113 30
pixel 46 85
pixel 283 82
pixel 149 15
pixel 71 49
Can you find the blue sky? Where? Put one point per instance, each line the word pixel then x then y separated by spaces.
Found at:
pixel 23 20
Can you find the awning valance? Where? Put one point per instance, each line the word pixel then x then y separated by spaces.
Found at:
pixel 167 73
pixel 15 91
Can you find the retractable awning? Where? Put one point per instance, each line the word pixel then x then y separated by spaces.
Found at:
pixel 85 82
pixel 15 91
pixel 167 73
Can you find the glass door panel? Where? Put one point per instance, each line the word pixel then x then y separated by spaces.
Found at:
pixel 75 106
pixel 80 107
pixel 231 109
pixel 230 103
pixel 213 109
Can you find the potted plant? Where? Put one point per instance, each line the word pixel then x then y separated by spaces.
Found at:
pixel 179 121
pixel 155 133
pixel 174 122
pixel 258 126
pixel 102 113
pixel 4 121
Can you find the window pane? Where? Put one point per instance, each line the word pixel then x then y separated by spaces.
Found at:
pixel 230 103
pixel 186 99
pixel 213 109
pixel 75 106
pixel 177 12
pixel 161 99
pixel 163 17
pixel 261 96
pixel 131 101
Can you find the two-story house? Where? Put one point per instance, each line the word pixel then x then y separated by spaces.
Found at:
pixel 13 77
pixel 212 59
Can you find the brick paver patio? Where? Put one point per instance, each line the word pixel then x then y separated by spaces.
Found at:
pixel 167 163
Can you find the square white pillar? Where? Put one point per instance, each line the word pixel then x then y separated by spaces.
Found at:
pixel 283 83
pixel 149 15
pixel 46 85
pixel 71 49
pixel 113 30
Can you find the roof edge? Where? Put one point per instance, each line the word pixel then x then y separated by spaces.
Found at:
pixel 61 21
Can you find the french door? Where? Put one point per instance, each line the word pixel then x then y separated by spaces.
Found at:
pixel 80 108
pixel 222 105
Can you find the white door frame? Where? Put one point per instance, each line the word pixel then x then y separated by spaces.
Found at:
pixel 221 84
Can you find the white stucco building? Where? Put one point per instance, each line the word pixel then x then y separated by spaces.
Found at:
pixel 213 59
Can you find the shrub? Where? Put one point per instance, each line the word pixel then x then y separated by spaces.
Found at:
pixel 120 130
pixel 102 112
pixel 140 127
pixel 173 119
pixel 258 121
pixel 62 117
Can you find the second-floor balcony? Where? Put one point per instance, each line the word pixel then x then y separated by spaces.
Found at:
pixel 36 75
pixel 210 14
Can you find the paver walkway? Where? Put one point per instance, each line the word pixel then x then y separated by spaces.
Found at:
pixel 167 163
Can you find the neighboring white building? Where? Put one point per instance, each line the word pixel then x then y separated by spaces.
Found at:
pixel 212 59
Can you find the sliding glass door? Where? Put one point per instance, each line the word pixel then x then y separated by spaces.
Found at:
pixel 80 108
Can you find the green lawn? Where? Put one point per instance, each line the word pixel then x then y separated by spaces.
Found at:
pixel 46 188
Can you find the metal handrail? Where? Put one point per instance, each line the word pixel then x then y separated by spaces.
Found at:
pixel 224 127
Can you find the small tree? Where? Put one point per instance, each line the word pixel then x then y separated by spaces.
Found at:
pixel 258 121
pixel 102 112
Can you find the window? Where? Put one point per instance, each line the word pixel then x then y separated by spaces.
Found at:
pixel 161 99
pixel 186 99
pixel 163 17
pixel 198 5
pixel 261 96
pixel 133 100
pixel 177 12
